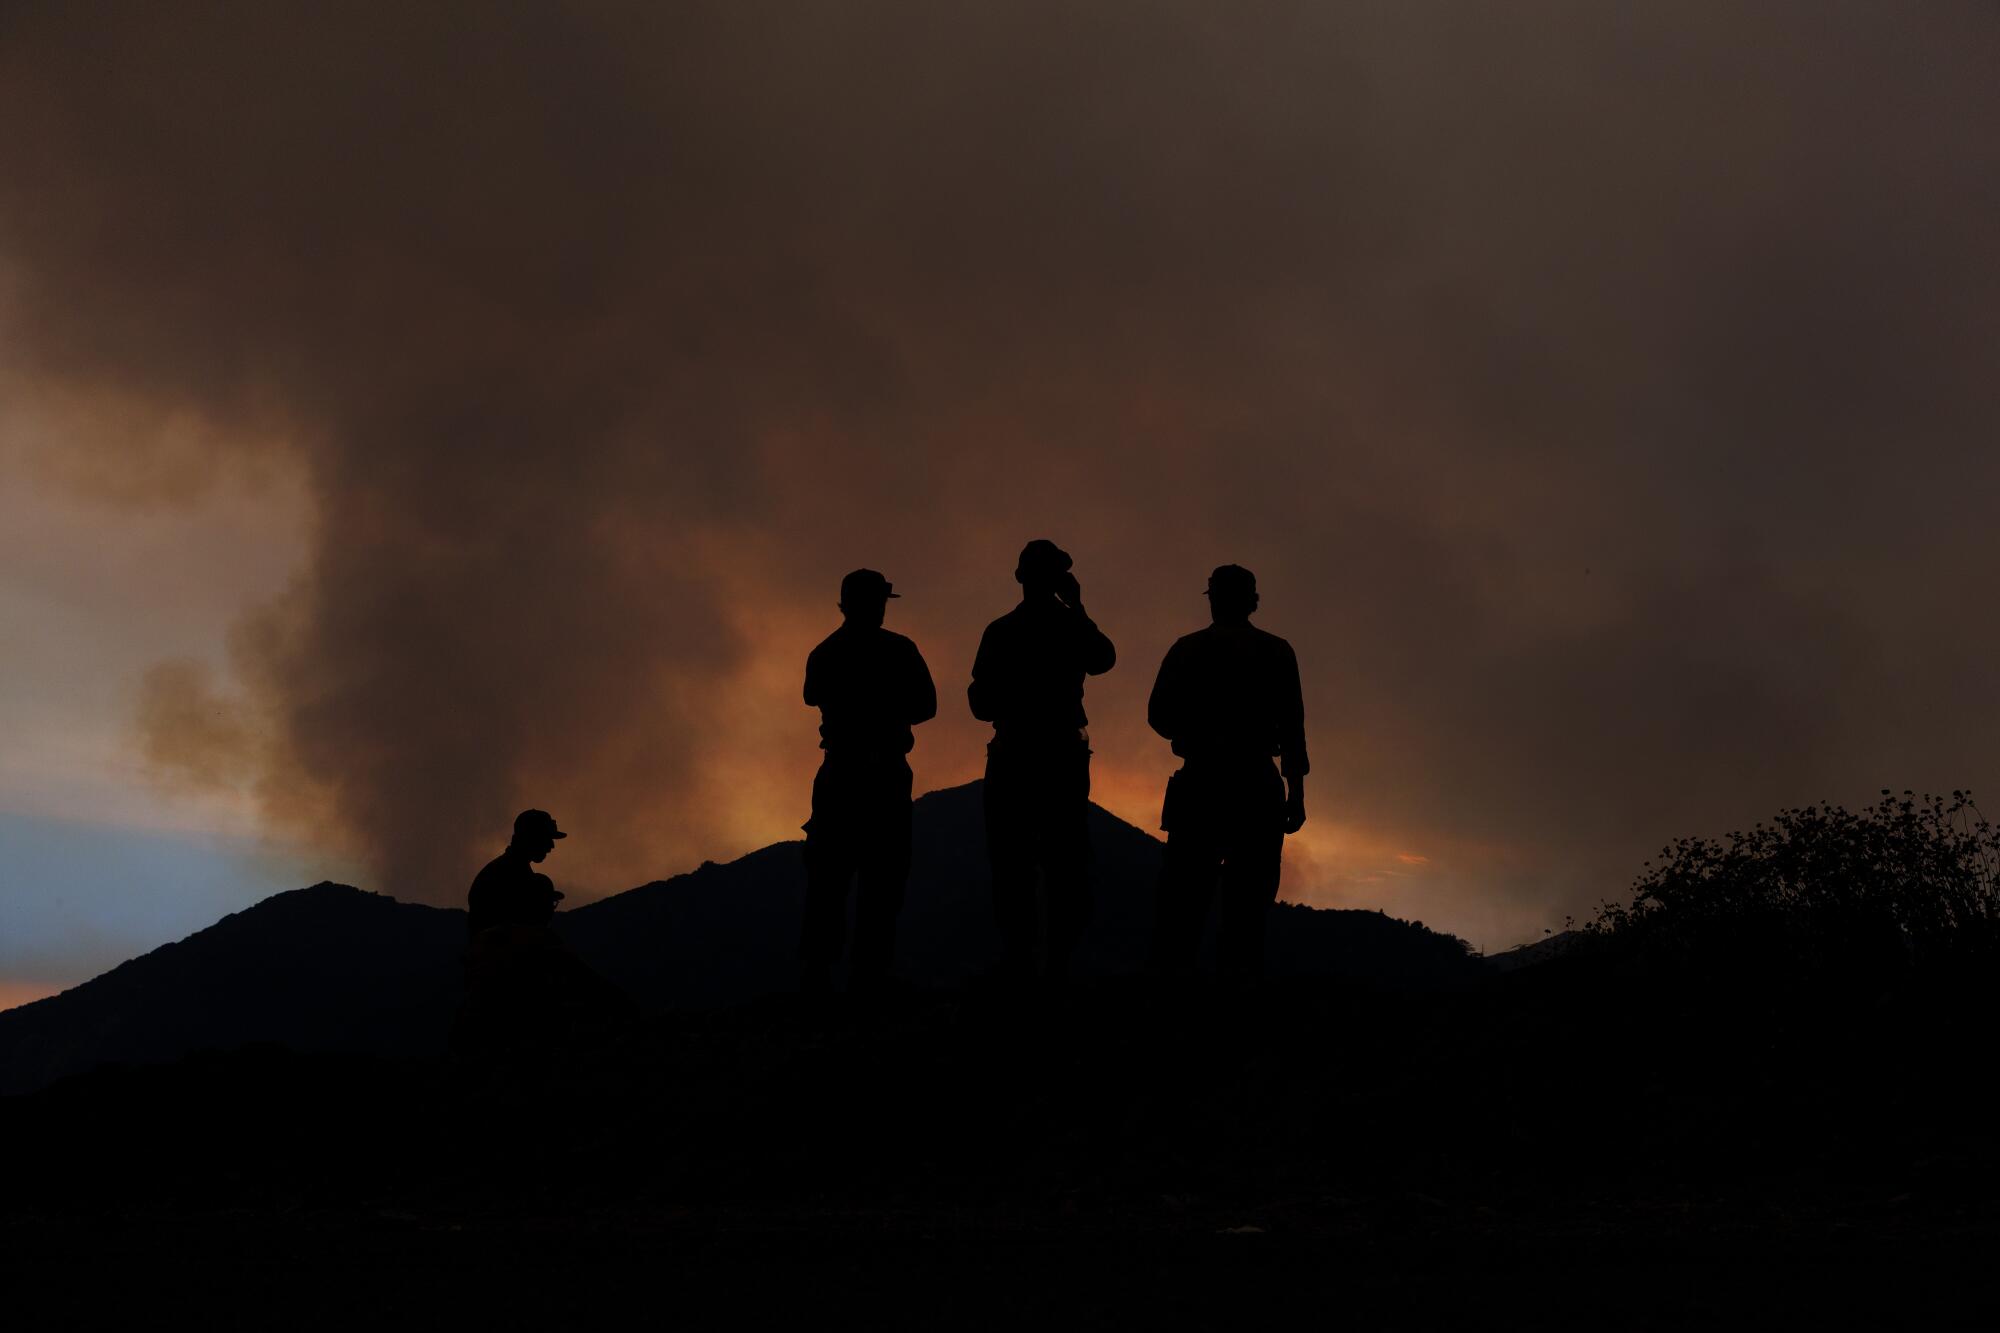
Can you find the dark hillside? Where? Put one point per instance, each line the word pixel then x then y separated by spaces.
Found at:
pixel 729 933
pixel 332 968
pixel 1577 1141
pixel 329 968
pixel 1627 1133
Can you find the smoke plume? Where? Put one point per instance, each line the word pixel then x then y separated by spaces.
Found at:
pixel 1602 394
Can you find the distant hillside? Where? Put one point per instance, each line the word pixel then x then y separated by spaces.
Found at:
pixel 334 968
pixel 1543 950
pixel 727 933
pixel 324 968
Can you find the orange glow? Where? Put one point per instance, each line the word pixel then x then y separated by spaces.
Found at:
pixel 14 994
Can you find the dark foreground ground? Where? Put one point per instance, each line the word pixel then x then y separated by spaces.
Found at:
pixel 1566 1145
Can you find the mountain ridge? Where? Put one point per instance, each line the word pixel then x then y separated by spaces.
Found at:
pixel 336 968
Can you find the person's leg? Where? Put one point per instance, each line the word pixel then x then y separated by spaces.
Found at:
pixel 883 870
pixel 881 882
pixel 829 866
pixel 1249 885
pixel 828 872
pixel 1066 856
pixel 1188 872
pixel 1010 850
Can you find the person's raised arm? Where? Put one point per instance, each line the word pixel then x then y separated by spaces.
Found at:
pixel 1098 654
pixel 1094 651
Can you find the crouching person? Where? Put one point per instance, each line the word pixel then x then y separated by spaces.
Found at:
pixel 509 894
pixel 521 980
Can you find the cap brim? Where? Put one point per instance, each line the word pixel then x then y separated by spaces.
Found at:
pixel 892 594
pixel 556 834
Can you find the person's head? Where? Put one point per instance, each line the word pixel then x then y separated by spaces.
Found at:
pixel 864 597
pixel 1232 594
pixel 535 834
pixel 1043 568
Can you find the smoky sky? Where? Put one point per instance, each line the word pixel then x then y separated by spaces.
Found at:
pixel 1604 395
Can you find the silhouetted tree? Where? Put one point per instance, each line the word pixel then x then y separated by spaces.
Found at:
pixel 1908 881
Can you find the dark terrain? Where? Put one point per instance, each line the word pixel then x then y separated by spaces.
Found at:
pixel 332 968
pixel 1580 1141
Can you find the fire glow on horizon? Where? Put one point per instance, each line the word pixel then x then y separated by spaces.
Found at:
pixel 1576 379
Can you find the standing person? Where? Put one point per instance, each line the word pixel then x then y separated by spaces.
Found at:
pixel 871 686
pixel 1027 680
pixel 1228 699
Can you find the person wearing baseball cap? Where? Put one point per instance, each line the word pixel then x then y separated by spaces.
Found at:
pixel 522 983
pixel 871 687
pixel 509 891
pixel 1228 699
pixel 1027 680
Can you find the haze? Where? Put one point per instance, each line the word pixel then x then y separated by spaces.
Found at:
pixel 411 413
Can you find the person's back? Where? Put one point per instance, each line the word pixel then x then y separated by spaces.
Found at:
pixel 1029 671
pixel 1228 699
pixel 1229 692
pixel 509 891
pixel 871 686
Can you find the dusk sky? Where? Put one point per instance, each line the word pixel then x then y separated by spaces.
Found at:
pixel 412 413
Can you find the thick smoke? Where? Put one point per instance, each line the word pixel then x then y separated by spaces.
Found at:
pixel 1603 394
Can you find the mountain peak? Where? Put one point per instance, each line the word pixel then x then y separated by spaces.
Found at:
pixel 334 967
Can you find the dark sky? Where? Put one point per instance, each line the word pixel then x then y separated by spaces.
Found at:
pixel 1605 396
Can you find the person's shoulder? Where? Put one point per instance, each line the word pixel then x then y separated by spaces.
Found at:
pixel 1271 647
pixel 493 869
pixel 1275 651
pixel 831 649
pixel 1004 623
pixel 901 643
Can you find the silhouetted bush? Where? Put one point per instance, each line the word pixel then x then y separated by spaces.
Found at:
pixel 1908 882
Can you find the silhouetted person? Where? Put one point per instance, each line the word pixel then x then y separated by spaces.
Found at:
pixel 509 891
pixel 871 686
pixel 1228 698
pixel 523 985
pixel 1028 682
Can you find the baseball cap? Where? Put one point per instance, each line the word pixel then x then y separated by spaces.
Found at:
pixel 537 821
pixel 1041 557
pixel 1231 579
pixel 864 584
